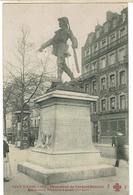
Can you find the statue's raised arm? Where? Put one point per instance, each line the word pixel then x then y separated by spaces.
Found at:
pixel 45 45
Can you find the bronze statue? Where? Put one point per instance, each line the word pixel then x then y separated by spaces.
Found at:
pixel 60 47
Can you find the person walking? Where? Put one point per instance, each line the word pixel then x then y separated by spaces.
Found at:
pixel 120 149
pixel 113 141
pixel 7 169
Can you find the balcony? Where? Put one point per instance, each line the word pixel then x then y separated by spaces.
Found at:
pixel 89 74
pixel 112 88
pixel 113 111
pixel 122 63
pixel 103 92
pixel 94 92
pixel 123 86
pixel 123 109
pixel 105 49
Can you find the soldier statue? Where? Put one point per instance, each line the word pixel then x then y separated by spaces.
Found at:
pixel 60 47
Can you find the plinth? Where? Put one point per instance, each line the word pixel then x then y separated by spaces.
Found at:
pixel 65 151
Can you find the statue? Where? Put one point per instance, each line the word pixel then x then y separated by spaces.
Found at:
pixel 60 47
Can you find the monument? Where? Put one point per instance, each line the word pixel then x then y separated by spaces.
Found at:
pixel 64 151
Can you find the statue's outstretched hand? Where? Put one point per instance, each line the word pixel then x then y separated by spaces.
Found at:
pixel 40 49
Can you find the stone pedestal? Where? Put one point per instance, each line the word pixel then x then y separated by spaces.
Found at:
pixel 65 151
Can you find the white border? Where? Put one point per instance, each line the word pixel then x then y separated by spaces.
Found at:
pixel 1 105
pixel 130 9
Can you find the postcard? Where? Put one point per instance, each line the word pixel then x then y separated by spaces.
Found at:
pixel 65 97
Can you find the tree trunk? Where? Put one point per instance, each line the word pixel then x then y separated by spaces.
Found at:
pixel 4 121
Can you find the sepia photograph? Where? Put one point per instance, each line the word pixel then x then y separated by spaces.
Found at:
pixel 65 98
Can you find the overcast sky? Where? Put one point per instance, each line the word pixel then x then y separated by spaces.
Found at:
pixel 42 21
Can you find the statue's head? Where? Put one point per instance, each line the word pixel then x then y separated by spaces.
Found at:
pixel 63 22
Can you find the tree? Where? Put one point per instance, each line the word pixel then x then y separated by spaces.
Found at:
pixel 25 84
pixel 7 94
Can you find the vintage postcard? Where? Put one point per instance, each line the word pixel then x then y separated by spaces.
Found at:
pixel 65 98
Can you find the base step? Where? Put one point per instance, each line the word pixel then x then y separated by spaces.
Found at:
pixel 53 176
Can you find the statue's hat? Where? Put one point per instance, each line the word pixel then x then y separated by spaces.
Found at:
pixel 64 19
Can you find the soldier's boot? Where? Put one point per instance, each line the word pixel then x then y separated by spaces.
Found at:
pixel 68 71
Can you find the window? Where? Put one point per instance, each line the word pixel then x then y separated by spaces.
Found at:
pixel 121 54
pixel 113 125
pixel 35 122
pixel 87 68
pixel 122 126
pixel 114 23
pixel 87 52
pixel 106 27
pixel 103 63
pixel 110 126
pixel 104 42
pixel 93 65
pixel 94 86
pixel 112 80
pixel 112 37
pixel 95 46
pixel 103 104
pixel 124 16
pixel 84 53
pixel 112 103
pixel 112 58
pixel 103 83
pixel 123 31
pixel 97 34
pixel 86 88
pixel 105 128
pixel 122 102
pixel 31 122
pixel 122 77
pixel 94 107
pixel 19 118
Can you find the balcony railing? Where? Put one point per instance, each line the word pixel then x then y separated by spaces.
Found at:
pixel 108 67
pixel 90 73
pixel 116 110
pixel 106 48
pixel 115 65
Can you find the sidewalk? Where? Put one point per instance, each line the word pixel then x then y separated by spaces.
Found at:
pixel 108 151
pixel 22 184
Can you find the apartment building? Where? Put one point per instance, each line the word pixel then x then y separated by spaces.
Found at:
pixel 105 73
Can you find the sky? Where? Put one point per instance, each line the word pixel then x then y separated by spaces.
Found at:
pixel 41 19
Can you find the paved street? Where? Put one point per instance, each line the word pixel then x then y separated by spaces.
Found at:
pixel 24 185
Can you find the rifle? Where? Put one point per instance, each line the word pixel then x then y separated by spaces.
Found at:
pixel 74 50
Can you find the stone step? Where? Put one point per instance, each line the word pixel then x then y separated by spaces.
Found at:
pixel 53 176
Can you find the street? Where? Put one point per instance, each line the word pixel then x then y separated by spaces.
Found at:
pixel 21 184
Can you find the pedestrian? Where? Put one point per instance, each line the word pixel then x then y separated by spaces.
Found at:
pixel 113 141
pixel 120 149
pixel 7 168
pixel 31 139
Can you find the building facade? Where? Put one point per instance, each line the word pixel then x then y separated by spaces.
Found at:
pixel 105 73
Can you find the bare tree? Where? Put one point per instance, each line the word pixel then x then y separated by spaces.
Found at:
pixel 25 83
pixel 7 93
